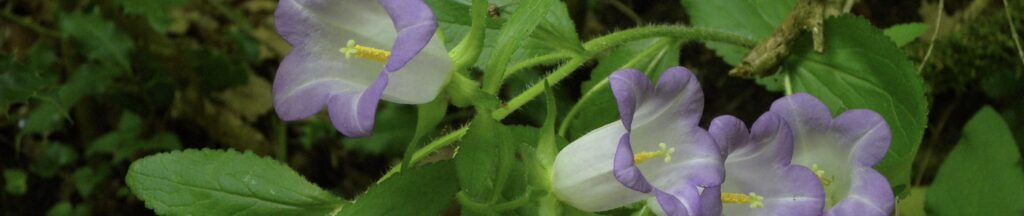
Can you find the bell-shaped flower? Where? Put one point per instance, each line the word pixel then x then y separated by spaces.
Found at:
pixel 759 179
pixel 340 59
pixel 841 152
pixel 655 151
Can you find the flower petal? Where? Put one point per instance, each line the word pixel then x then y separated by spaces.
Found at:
pixel 353 114
pixel 583 172
pixel 728 131
pixel 679 201
pixel 867 131
pixel 869 195
pixel 626 171
pixel 762 166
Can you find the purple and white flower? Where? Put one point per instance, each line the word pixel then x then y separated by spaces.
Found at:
pixel 759 179
pixel 340 59
pixel 841 152
pixel 655 151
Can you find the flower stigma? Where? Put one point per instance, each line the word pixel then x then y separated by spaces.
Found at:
pixel 363 52
pixel 751 198
pixel 642 157
pixel 821 175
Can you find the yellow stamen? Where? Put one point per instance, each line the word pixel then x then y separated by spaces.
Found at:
pixel 753 199
pixel 363 52
pixel 821 175
pixel 642 157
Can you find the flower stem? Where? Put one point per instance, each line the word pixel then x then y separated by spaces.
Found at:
pixel 539 60
pixel 429 148
pixel 658 49
pixel 535 90
pixel 601 44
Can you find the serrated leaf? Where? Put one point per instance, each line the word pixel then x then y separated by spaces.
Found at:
pixel 484 158
pixel 862 69
pixel 155 11
pixel 225 182
pixel 99 38
pixel 89 79
pixel 126 141
pixel 903 34
pixel 419 191
pixel 982 175
pixel 756 19
pixel 29 78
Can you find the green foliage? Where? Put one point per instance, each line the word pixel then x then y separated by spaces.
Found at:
pixel 127 140
pixel 755 19
pixel 216 71
pixel 100 39
pixel 88 80
pixel 597 107
pixel 983 175
pixel 428 116
pixel 862 69
pixel 87 178
pixel 65 208
pixel 54 156
pixel 16 181
pixel 519 26
pixel 29 78
pixel 155 11
pixel 390 132
pixel 216 182
pixel 551 34
pixel 486 162
pixel 419 191
pixel 903 34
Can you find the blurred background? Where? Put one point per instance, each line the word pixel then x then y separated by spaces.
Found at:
pixel 87 86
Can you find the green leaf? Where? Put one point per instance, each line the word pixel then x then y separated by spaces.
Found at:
pixel 485 159
pixel 555 32
pixel 99 38
pixel 217 182
pixel 55 156
pixel 86 179
pixel 32 77
pixel 126 141
pixel 391 133
pixel 905 33
pixel 598 107
pixel 216 71
pixel 428 116
pixel 155 11
pixel 982 175
pixel 519 26
pixel 862 69
pixel 752 18
pixel 16 181
pixel 913 204
pixel 419 191
pixel 89 79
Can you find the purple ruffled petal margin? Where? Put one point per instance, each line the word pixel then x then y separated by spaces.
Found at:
pixel 632 89
pixel 352 110
pixel 758 161
pixel 862 134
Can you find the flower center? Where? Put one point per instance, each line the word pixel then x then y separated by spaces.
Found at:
pixel 642 157
pixel 751 198
pixel 369 53
pixel 825 182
